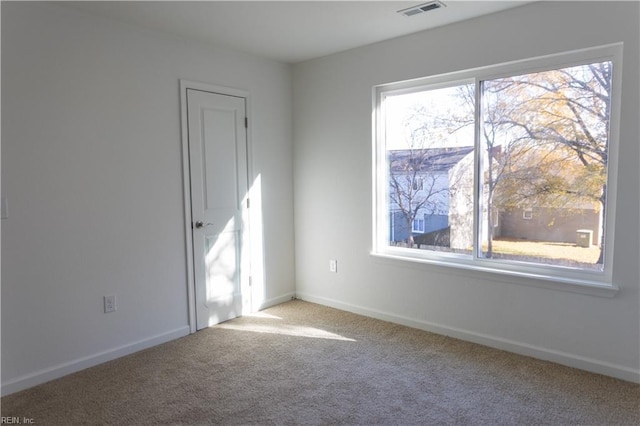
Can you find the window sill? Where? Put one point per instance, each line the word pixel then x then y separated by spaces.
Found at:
pixel 542 280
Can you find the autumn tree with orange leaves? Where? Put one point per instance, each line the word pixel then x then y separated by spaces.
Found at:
pixel 546 136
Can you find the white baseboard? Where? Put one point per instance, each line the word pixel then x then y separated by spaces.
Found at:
pixel 563 358
pixel 52 373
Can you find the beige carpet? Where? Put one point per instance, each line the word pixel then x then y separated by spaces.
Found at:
pixel 301 363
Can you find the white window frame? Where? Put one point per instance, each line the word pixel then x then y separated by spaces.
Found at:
pixel 598 283
pixel 417 229
pixel 527 213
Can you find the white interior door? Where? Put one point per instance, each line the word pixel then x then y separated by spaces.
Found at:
pixel 218 170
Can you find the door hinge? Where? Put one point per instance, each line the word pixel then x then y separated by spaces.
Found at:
pixel 246 122
pixel 250 281
pixel 248 202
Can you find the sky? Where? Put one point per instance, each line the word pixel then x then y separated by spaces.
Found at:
pixel 437 103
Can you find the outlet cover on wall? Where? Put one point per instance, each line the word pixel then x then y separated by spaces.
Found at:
pixel 109 304
pixel 333 265
pixel 4 208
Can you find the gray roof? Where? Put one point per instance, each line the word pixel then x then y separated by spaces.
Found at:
pixel 427 160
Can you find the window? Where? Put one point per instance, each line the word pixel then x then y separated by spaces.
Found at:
pixel 418 225
pixel 459 157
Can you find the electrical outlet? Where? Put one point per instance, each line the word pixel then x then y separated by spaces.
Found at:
pixel 109 304
pixel 333 265
pixel 4 208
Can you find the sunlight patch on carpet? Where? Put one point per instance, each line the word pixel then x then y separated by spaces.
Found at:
pixel 262 315
pixel 286 330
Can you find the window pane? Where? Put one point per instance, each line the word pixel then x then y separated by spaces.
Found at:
pixel 429 150
pixel 544 139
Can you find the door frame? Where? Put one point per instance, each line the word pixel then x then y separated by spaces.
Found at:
pixel 186 178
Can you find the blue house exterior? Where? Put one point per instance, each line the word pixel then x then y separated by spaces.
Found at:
pixel 431 166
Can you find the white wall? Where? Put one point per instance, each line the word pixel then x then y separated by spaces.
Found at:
pixel 92 170
pixel 332 175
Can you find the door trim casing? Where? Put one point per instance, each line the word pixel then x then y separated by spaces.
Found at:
pixel 186 178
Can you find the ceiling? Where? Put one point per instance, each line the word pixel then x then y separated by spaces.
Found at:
pixel 287 31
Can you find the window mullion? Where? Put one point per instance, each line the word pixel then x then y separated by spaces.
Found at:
pixel 477 178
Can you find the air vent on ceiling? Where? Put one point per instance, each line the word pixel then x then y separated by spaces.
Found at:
pixel 421 8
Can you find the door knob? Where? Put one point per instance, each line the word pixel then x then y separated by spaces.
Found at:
pixel 200 224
